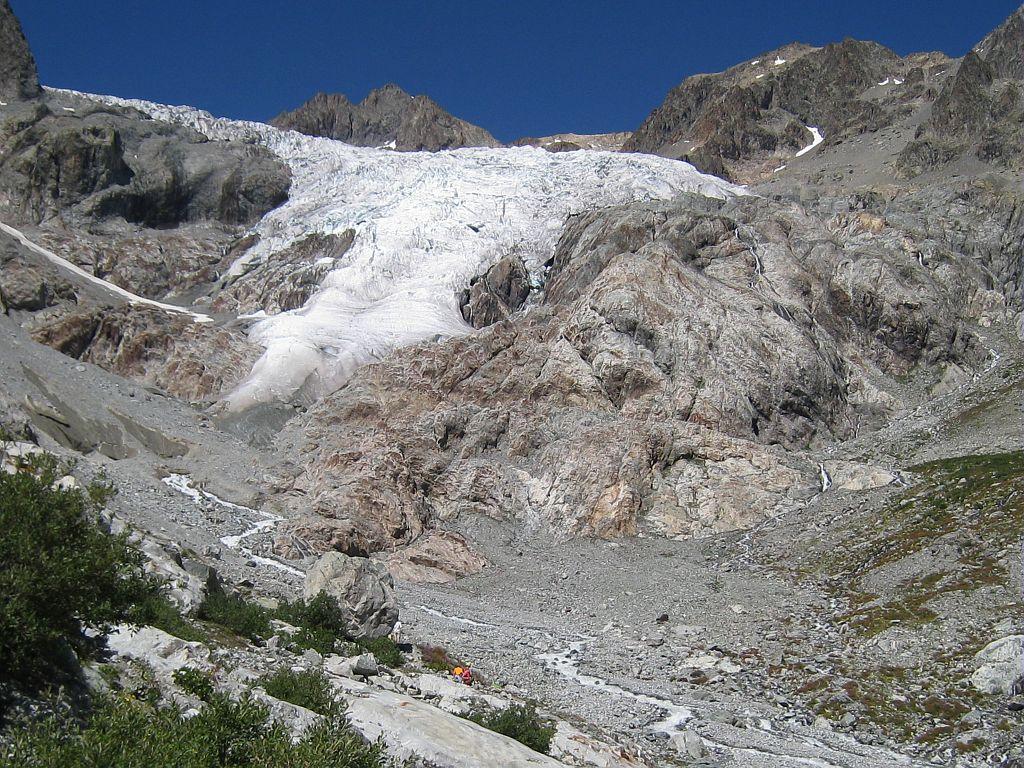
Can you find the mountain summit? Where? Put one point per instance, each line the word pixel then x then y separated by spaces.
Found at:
pixel 388 116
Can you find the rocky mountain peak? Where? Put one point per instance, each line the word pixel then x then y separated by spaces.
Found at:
pixel 744 122
pixel 388 115
pixel 18 76
pixel 1003 47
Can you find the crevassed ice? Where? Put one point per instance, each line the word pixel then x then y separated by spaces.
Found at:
pixel 425 224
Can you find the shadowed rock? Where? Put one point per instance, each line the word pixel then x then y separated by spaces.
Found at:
pixel 18 77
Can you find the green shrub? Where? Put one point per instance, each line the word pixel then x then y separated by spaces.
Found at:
pixel 236 614
pixel 520 722
pixel 304 689
pixel 320 622
pixel 62 572
pixel 195 682
pixel 157 610
pixel 385 650
pixel 126 733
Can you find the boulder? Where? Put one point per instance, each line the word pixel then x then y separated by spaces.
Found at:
pixel 413 729
pixel 365 665
pixel 688 744
pixel 1000 666
pixel 364 590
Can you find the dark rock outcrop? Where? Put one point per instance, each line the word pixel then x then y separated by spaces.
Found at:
pixel 95 161
pixel 979 111
pixel 1003 47
pixel 387 116
pixel 497 293
pixel 739 122
pixel 287 279
pixel 19 79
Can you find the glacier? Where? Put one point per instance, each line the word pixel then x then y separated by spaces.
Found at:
pixel 425 224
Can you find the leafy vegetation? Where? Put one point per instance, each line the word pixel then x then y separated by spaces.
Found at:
pixel 320 622
pixel 304 689
pixel 157 610
pixel 236 614
pixel 385 650
pixel 126 733
pixel 195 682
pixel 520 722
pixel 63 572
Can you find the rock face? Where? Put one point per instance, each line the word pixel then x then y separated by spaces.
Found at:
pixel 497 294
pixel 437 558
pixel 416 731
pixel 94 161
pixel 388 116
pixel 980 109
pixel 743 122
pixel 187 360
pixel 678 356
pixel 572 142
pixel 364 590
pixel 18 77
pixel 1003 47
pixel 287 281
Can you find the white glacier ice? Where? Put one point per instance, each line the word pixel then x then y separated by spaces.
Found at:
pixel 424 223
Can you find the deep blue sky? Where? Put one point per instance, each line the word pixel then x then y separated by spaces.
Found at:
pixel 519 67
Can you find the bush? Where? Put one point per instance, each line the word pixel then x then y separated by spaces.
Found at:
pixel 195 682
pixel 157 610
pixel 320 622
pixel 436 658
pixel 62 572
pixel 385 650
pixel 304 689
pixel 520 722
pixel 236 614
pixel 126 733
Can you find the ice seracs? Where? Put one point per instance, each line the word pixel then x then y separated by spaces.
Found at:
pixel 425 224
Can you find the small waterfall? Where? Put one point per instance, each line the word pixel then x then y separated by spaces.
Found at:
pixel 826 478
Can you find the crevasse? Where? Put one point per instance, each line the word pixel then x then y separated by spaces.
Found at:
pixel 425 224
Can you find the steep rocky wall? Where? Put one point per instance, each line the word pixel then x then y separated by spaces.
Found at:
pixel 681 357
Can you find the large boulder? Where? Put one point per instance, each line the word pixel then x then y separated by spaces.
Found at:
pixel 1001 666
pixel 19 79
pixel 364 590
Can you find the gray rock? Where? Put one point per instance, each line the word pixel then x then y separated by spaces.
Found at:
pixel 688 744
pixel 363 588
pixel 365 665
pixel 387 116
pixel 1001 666
pixel 497 293
pixel 18 77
